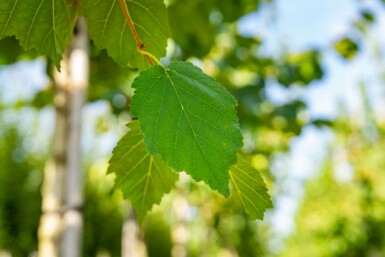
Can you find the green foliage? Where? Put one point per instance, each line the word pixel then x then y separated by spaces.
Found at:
pixel 20 200
pixel 221 222
pixel 255 111
pixel 157 236
pixel 198 38
pixel 342 213
pixel 109 81
pixel 143 178
pixel 347 48
pixel 352 227
pixel 14 52
pixel 300 68
pixel 189 119
pixel 21 174
pixel 368 16
pixel 249 186
pixel 109 29
pixel 45 26
pixel 103 214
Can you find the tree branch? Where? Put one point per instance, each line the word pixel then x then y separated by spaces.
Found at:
pixel 139 44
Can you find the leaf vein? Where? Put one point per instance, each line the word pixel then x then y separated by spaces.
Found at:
pixel 189 122
pixel 107 19
pixel 150 13
pixel 34 19
pixel 252 189
pixel 148 175
pixel 132 168
pixel 9 17
pixel 127 153
pixel 248 175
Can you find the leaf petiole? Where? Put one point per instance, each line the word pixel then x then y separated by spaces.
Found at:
pixel 146 53
pixel 140 46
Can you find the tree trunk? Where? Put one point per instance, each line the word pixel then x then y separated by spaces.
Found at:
pixel 179 231
pixel 61 223
pixel 132 243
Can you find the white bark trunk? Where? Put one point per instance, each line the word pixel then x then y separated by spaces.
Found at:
pixel 78 75
pixel 50 221
pixel 61 223
pixel 132 243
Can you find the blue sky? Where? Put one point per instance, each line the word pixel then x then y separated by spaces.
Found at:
pixel 21 80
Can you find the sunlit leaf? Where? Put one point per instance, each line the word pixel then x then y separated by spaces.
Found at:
pixel 190 120
pixel 46 26
pixel 143 178
pixel 249 185
pixel 347 48
pixel 301 69
pixel 109 30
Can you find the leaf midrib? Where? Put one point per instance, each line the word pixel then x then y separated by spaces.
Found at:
pixel 241 195
pixel 33 21
pixel 151 14
pixel 148 174
pixel 188 120
pixel 132 168
pixel 248 186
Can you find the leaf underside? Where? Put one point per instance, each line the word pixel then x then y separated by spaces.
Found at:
pixel 109 30
pixel 249 186
pixel 142 178
pixel 44 25
pixel 190 120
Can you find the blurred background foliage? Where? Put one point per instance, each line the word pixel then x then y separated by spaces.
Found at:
pixel 342 209
pixel 20 201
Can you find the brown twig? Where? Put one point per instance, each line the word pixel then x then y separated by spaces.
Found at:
pixel 130 23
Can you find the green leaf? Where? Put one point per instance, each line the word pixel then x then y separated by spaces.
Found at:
pixel 250 188
pixel 143 178
pixel 347 48
pixel 190 120
pixel 44 25
pixel 109 30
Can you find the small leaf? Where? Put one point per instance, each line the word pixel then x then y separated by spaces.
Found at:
pixel 251 189
pixel 46 26
pixel 190 120
pixel 347 48
pixel 109 30
pixel 368 16
pixel 143 178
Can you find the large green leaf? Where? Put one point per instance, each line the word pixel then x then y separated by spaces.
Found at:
pixel 250 188
pixel 143 178
pixel 190 120
pixel 109 30
pixel 45 25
